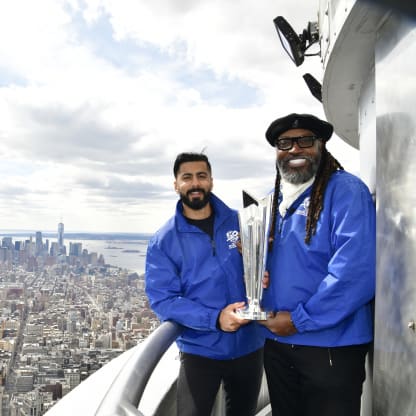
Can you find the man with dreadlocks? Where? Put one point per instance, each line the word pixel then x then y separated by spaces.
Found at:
pixel 321 267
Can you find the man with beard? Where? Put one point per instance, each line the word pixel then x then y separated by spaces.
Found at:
pixel 321 266
pixel 194 276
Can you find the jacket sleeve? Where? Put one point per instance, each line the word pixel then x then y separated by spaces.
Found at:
pixel 163 288
pixel 350 282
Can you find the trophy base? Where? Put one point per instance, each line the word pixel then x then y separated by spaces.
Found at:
pixel 254 315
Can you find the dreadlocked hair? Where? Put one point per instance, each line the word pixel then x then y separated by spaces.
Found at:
pixel 275 204
pixel 327 167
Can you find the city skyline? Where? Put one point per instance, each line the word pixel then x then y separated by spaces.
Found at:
pixel 125 250
pixel 73 233
pixel 35 253
pixel 97 98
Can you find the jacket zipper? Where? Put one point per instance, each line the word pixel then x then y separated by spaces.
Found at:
pixel 213 247
pixel 280 225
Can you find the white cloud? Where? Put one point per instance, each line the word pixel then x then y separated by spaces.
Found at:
pixel 98 97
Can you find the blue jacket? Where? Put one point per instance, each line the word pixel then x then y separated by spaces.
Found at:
pixel 328 285
pixel 190 279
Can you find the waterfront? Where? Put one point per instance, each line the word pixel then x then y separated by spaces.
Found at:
pixel 121 252
pixel 128 254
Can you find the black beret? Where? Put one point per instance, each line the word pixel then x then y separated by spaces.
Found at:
pixel 299 121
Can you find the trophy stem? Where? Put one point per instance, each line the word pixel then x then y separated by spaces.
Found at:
pixel 252 311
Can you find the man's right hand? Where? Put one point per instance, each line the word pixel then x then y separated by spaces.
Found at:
pixel 229 320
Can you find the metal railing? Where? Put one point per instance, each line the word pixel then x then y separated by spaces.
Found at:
pixel 126 390
pixel 123 397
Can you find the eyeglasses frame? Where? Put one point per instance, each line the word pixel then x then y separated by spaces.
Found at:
pixel 296 139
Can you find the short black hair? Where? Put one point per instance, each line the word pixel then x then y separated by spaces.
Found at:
pixel 189 157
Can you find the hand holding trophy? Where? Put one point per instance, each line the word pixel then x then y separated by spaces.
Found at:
pixel 254 221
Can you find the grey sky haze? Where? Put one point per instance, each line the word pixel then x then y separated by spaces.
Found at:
pixel 97 97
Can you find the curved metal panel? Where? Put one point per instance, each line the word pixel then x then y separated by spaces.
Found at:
pixel 348 64
pixel 395 341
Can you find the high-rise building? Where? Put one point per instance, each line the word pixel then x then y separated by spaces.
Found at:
pixel 7 242
pixel 75 249
pixel 3 254
pixel 54 249
pixel 30 247
pixel 61 235
pixel 39 242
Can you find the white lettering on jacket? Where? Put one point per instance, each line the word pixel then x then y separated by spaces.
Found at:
pixel 232 238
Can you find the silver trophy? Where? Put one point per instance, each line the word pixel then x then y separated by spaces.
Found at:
pixel 254 221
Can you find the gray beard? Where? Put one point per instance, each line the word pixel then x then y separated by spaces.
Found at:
pixel 298 176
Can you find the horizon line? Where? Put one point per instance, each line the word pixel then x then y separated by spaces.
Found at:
pixel 23 231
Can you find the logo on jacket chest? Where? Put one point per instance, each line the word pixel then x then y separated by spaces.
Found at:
pixel 303 207
pixel 232 238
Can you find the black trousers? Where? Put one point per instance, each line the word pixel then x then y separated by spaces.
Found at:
pixel 314 381
pixel 200 378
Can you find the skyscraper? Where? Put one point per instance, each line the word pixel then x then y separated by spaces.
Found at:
pixel 75 249
pixel 61 235
pixel 39 242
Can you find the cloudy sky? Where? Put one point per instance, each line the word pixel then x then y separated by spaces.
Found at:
pixel 97 97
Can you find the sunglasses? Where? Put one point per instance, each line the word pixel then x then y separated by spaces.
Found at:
pixel 286 143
